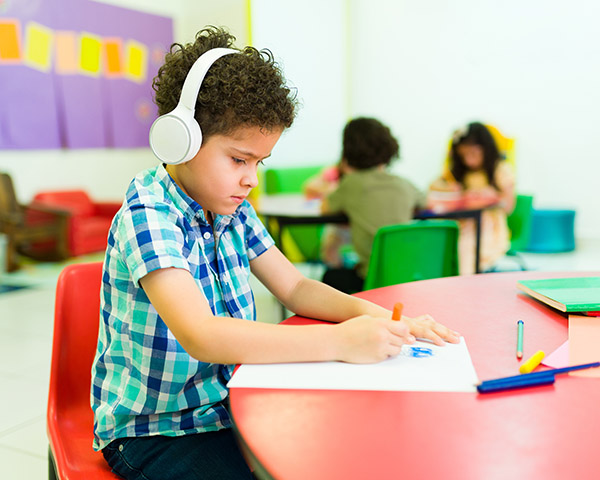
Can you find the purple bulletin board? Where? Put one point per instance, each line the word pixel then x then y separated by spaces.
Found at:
pixel 82 77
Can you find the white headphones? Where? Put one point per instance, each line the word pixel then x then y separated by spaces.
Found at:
pixel 175 137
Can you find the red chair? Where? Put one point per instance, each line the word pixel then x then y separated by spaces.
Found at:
pixel 89 221
pixel 70 417
pixel 36 231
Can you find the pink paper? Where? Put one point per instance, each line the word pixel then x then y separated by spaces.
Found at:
pixel 584 343
pixel 559 358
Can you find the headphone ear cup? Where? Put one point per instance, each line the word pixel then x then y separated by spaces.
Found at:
pixel 176 136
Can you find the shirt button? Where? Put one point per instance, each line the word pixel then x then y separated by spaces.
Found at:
pixel 206 235
pixel 120 447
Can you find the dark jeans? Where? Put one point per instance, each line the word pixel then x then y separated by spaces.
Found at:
pixel 346 280
pixel 210 455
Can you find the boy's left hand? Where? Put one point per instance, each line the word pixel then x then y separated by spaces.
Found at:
pixel 424 326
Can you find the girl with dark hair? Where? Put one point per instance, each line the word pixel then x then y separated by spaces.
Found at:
pixel 477 170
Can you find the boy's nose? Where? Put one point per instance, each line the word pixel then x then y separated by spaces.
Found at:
pixel 251 179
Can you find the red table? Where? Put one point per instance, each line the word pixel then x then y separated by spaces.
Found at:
pixel 549 432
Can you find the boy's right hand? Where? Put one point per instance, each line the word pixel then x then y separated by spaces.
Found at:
pixel 367 339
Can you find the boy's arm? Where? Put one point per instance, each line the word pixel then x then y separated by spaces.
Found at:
pixel 314 299
pixel 184 309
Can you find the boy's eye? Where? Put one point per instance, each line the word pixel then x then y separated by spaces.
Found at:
pixel 261 162
pixel 238 160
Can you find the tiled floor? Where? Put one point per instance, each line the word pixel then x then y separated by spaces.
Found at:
pixel 26 317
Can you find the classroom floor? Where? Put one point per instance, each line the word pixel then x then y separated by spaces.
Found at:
pixel 25 347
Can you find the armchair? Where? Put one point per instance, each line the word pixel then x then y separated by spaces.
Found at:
pixel 36 231
pixel 89 221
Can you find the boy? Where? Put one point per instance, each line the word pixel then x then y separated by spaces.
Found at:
pixel 177 308
pixel 369 195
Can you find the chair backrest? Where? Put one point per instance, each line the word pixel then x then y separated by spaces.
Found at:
pixel 76 320
pixel 414 251
pixel 519 223
pixel 305 239
pixel 77 202
pixel 9 204
pixel 70 418
pixel 288 180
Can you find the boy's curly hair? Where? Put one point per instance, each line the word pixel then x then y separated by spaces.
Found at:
pixel 368 143
pixel 239 90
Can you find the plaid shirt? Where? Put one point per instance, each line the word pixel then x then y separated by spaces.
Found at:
pixel 144 382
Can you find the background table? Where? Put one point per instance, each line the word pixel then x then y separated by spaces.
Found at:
pixel 295 209
pixel 549 432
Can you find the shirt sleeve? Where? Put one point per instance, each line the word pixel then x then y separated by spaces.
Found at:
pixel 150 238
pixel 258 239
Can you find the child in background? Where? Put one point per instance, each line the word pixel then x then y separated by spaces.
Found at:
pixel 368 194
pixel 322 184
pixel 336 242
pixel 477 171
pixel 177 311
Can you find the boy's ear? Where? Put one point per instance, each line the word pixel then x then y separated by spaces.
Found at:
pixel 175 137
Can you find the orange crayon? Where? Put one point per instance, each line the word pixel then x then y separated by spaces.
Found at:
pixel 397 314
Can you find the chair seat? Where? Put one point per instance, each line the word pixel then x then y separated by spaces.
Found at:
pixel 71 437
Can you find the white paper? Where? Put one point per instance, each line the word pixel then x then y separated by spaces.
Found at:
pixel 449 369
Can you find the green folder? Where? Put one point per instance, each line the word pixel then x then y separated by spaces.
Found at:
pixel 576 294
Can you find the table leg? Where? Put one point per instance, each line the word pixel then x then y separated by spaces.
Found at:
pixel 477 240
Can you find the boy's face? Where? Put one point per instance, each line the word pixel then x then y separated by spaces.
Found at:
pixel 224 171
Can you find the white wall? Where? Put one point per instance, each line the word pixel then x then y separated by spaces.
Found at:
pixel 307 38
pixel 529 67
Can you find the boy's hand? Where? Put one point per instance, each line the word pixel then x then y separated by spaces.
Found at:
pixel 367 339
pixel 424 326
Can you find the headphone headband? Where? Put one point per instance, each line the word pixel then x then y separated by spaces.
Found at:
pixel 195 77
pixel 175 137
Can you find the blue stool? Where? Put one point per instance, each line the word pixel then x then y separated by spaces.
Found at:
pixel 552 231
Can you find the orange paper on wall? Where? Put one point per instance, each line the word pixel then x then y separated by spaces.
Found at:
pixel 10 48
pixel 584 343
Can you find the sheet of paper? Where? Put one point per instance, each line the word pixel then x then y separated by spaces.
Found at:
pixel 449 369
pixel 559 358
pixel 584 341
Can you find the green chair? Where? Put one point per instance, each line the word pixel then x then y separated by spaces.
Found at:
pixel 306 238
pixel 520 223
pixel 414 251
pixel 288 180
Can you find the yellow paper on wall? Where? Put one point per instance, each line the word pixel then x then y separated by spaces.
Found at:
pixel 90 53
pixel 38 50
pixel 584 343
pixel 136 61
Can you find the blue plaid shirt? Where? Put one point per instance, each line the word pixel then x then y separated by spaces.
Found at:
pixel 143 381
